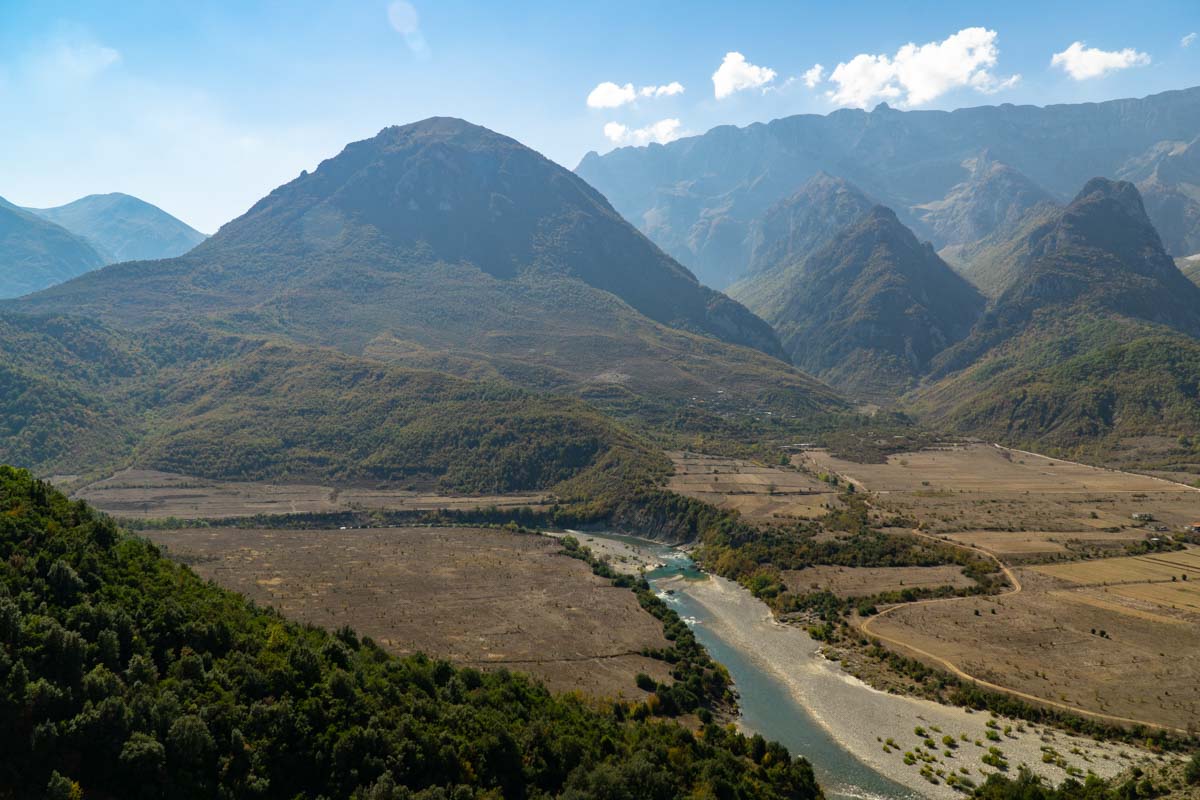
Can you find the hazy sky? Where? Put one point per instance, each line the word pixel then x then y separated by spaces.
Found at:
pixel 203 107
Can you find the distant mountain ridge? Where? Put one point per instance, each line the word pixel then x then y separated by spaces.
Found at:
pixel 701 197
pixel 36 253
pixel 994 198
pixel 124 228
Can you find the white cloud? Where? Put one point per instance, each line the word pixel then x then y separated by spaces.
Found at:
pixel 736 74
pixel 1187 40
pixel 666 90
pixel 610 95
pixel 1082 63
pixel 663 131
pixel 919 74
pixel 405 20
pixel 814 75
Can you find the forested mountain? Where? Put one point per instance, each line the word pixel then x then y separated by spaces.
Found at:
pixel 123 674
pixel 870 310
pixel 444 245
pixel 803 222
pixel 36 253
pixel 701 198
pixel 123 228
pixel 1094 340
pixel 83 397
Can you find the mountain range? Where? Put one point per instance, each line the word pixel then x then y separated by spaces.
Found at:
pixel 703 198
pixel 41 247
pixel 441 305
pixel 409 294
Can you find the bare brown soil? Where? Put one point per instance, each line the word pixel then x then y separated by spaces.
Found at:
pixel 483 598
pixel 867 581
pixel 144 494
pixel 761 493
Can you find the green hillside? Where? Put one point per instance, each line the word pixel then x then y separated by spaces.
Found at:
pixel 83 398
pixel 124 675
pixel 1093 344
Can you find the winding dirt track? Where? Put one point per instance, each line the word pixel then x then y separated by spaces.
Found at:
pixel 1015 588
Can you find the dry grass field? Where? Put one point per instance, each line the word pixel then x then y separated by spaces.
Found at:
pixel 1017 547
pixel 759 492
pixel 1115 636
pixel 150 494
pixel 980 487
pixel 1130 650
pixel 866 581
pixel 484 598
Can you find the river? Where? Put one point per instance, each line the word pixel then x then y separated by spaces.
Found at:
pixel 767 704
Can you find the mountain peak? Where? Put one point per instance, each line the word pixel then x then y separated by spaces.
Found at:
pixel 869 310
pixel 881 214
pixel 1123 193
pixel 801 223
pixel 443 193
pixel 1102 253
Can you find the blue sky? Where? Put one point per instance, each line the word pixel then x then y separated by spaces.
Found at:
pixel 203 107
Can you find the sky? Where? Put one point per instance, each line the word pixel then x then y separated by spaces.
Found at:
pixel 203 107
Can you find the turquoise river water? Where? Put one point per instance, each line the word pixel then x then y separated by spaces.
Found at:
pixel 767 706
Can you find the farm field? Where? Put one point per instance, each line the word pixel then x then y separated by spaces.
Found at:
pixel 758 492
pixel 1115 636
pixel 483 598
pixel 865 581
pixel 980 487
pixel 1017 547
pixel 148 494
pixel 1121 651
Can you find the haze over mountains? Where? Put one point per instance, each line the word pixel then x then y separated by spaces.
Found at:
pixel 36 253
pixel 124 228
pixel 703 198
pixel 46 246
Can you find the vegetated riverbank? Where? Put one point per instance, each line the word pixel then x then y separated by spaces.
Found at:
pixel 908 740
pixel 880 728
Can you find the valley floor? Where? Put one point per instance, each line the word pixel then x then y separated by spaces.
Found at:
pixel 1089 631
pixel 863 719
pixel 478 597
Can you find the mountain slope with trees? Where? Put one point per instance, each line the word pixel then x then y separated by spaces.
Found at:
pixel 1095 340
pixel 551 290
pixel 870 310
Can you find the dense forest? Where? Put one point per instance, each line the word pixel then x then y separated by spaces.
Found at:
pixel 124 675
